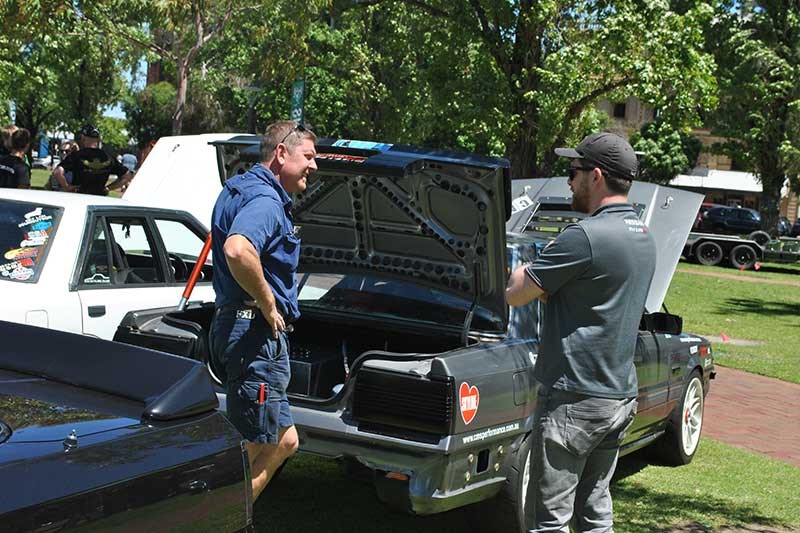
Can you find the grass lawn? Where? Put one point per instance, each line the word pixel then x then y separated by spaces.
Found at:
pixel 765 313
pixel 722 486
pixel 39 177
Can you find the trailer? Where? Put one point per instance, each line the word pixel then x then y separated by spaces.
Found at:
pixel 742 253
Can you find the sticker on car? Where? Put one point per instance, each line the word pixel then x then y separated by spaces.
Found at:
pixel 468 400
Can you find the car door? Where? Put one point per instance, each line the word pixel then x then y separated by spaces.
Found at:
pixel 121 269
pixel 653 381
pixel 181 239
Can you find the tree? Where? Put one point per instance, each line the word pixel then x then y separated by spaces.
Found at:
pixel 184 28
pixel 758 50
pixel 58 72
pixel 551 61
pixel 149 112
pixel 667 151
pixel 114 134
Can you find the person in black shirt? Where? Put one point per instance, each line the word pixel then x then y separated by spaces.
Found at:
pixel 91 167
pixel 14 173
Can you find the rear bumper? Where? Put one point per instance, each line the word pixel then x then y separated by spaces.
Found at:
pixel 433 478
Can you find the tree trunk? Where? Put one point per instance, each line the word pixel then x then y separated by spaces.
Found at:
pixel 180 97
pixel 770 200
pixel 523 156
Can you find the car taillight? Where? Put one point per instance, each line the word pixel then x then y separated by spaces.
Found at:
pixel 703 351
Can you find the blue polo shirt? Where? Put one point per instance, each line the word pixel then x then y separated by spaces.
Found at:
pixel 255 206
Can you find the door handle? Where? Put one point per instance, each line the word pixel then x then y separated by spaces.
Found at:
pixel 97 310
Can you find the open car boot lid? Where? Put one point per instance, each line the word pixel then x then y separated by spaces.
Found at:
pixel 543 207
pixel 430 217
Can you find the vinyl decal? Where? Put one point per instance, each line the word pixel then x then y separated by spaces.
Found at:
pixel 468 399
pixel 21 253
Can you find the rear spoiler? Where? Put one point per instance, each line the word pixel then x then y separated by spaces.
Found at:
pixel 169 386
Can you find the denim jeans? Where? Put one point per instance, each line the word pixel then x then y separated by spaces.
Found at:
pixel 575 449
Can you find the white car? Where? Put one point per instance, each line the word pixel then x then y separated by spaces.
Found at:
pixel 79 263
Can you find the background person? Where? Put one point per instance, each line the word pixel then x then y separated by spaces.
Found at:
pixel 14 172
pixel 5 138
pixel 67 149
pixel 255 254
pixel 594 279
pixel 91 167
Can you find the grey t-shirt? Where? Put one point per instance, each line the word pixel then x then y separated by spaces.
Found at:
pixel 597 275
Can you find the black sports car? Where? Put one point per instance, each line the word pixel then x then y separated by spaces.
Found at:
pixel 99 435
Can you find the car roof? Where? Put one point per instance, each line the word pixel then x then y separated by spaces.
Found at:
pixel 63 199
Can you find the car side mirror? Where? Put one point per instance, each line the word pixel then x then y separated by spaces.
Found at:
pixel 661 323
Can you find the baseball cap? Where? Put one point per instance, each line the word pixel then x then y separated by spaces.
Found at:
pixel 608 151
pixel 89 130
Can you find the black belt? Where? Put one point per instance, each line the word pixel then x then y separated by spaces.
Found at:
pixel 244 307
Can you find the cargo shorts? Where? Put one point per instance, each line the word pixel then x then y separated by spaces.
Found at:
pixel 242 345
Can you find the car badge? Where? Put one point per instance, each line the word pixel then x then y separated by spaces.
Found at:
pixel 468 399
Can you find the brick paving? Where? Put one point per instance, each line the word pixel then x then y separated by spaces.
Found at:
pixel 754 412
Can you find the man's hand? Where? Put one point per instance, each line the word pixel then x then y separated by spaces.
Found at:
pixel 275 320
pixel 245 265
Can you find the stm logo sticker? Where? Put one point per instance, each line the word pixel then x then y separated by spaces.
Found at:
pixel 468 399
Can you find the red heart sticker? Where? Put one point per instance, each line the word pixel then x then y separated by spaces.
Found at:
pixel 468 398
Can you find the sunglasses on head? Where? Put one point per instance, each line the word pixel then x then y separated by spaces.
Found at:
pixel 298 128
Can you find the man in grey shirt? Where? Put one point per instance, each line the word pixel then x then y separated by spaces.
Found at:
pixel 594 279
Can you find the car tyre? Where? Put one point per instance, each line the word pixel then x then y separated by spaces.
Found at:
pixel 743 257
pixel 680 441
pixel 761 237
pixel 511 510
pixel 708 253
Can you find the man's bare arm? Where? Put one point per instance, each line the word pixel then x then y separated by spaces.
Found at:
pixel 522 290
pixel 121 181
pixel 245 265
pixel 58 174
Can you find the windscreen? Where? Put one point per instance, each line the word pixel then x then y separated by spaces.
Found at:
pixel 26 231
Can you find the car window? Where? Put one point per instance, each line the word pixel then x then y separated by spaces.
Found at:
pixel 97 268
pixel 390 298
pixel 523 321
pixel 26 231
pixel 132 253
pixel 183 246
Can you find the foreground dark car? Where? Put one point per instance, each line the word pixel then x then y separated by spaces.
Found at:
pixel 102 436
pixel 406 362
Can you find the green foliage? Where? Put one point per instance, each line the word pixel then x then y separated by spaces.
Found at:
pixel 757 45
pixel 114 133
pixel 667 151
pixel 57 70
pixel 149 112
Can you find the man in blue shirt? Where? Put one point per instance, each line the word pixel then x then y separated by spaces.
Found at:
pixel 255 254
pixel 594 279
